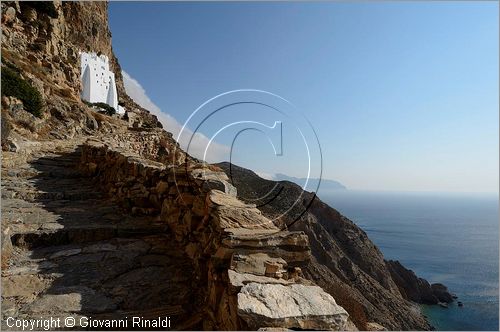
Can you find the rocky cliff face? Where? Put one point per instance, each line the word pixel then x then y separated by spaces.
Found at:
pixel 106 216
pixel 42 41
pixel 51 39
pixel 417 289
pixel 345 262
pixel 120 222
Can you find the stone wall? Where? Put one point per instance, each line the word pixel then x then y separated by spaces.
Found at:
pixel 247 269
pixel 154 144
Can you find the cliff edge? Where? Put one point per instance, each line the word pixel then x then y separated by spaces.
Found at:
pixel 105 216
pixel 345 261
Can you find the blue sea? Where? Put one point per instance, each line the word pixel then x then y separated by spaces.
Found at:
pixel 446 238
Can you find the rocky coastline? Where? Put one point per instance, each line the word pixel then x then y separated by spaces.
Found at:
pixel 106 216
pixel 364 280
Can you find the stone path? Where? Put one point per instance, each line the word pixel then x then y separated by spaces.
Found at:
pixel 74 252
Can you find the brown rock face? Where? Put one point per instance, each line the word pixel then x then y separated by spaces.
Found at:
pixel 42 40
pixel 417 289
pixel 441 292
pixel 126 223
pixel 344 260
pixel 52 35
pixel 242 260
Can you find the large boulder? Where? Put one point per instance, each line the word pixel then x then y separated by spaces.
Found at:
pixel 293 306
pixel 231 213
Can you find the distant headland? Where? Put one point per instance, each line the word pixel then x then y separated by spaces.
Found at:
pixel 312 183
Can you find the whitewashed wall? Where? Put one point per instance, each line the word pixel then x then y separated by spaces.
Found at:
pixel 98 82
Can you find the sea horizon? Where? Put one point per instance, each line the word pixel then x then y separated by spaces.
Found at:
pixel 450 238
pixel 401 191
pixel 163 164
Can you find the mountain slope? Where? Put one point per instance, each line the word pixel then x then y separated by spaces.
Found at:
pixel 346 263
pixel 41 41
pixel 147 246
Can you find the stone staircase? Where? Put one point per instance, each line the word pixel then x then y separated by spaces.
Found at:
pixel 69 250
pixel 90 229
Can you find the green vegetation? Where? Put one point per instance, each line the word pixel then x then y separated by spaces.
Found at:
pixel 108 110
pixel 14 85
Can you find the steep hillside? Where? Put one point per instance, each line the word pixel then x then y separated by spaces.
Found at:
pixel 346 263
pixel 41 42
pixel 104 215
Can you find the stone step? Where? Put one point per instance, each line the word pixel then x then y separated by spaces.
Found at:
pixel 79 235
pixel 166 311
pixel 24 214
pixel 111 279
pixel 41 164
pixel 40 196
pixel 75 252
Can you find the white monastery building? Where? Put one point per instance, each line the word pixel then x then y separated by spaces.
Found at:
pixel 98 82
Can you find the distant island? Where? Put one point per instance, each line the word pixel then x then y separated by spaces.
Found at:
pixel 312 183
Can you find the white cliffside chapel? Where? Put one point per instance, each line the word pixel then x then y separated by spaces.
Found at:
pixel 98 82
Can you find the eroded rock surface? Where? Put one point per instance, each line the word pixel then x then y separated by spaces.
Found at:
pixel 343 260
pixel 290 306
pixel 70 250
pixel 418 289
pixel 106 216
pixel 231 243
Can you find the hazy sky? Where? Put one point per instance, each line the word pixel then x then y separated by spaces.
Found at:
pixel 402 96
